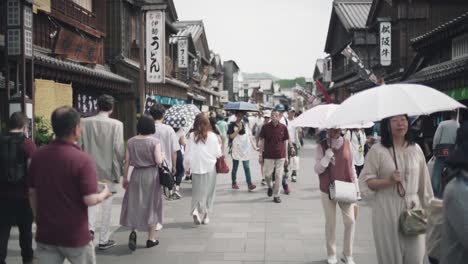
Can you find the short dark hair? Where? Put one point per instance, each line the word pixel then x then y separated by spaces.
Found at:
pixel 64 120
pixel 157 111
pixel 105 103
pixel 17 120
pixel 145 125
pixel 386 137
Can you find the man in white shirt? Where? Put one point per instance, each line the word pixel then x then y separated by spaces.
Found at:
pixel 169 140
pixel 294 141
pixel 443 145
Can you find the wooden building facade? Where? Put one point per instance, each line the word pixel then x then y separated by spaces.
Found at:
pixel 348 27
pixel 441 60
pixel 69 59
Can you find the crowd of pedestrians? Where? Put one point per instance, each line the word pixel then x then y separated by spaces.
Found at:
pixel 59 186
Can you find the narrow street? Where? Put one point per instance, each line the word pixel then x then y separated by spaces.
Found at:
pixel 245 227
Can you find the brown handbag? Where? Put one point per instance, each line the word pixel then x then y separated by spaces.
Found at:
pixel 221 165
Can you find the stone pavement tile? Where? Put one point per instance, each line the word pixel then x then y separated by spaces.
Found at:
pixel 186 248
pixel 285 246
pixel 255 245
pixel 256 228
pixel 219 262
pixel 250 256
pixel 285 257
pixel 226 245
pixel 293 262
pixel 256 235
pixel 229 235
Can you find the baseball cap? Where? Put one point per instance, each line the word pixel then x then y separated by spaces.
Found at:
pixel 267 113
pixel 292 109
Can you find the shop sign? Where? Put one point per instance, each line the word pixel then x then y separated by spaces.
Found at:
pixel 385 43
pixel 77 47
pixel 182 53
pixel 155 42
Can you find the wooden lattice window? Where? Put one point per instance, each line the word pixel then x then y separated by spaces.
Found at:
pixel 460 46
pixel 87 4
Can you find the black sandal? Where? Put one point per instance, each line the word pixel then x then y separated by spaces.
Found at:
pixel 132 241
pixel 151 243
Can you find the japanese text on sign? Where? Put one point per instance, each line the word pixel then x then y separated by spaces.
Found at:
pixel 155 42
pixel 182 53
pixel 385 43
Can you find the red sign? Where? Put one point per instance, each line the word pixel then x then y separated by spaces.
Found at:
pixel 77 47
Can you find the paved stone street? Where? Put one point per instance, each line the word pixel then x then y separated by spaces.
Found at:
pixel 245 227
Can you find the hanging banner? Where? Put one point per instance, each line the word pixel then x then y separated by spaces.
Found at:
pixel 385 43
pixel 155 43
pixel 327 69
pixel 182 54
pixel 363 72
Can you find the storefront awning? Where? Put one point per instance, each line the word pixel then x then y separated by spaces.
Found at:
pixel 83 73
pixel 196 97
pixel 458 93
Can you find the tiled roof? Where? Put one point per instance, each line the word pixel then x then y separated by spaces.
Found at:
pixel 440 71
pixel 461 20
pixel 40 58
pixel 353 13
pixel 186 28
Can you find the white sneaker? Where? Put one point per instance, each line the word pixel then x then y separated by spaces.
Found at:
pixel 159 226
pixel 332 260
pixel 206 220
pixel 348 260
pixel 196 218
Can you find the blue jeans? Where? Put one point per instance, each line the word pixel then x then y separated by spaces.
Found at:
pixel 439 166
pixel 235 166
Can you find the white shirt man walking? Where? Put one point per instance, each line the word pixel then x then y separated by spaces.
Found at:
pixel 102 139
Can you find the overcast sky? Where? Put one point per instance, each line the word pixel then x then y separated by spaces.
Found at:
pixel 281 37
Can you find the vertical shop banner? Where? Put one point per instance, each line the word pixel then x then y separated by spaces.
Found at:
pixel 385 43
pixel 155 43
pixel 182 53
pixel 327 69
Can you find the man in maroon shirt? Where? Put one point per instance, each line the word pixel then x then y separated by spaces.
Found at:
pixel 62 184
pixel 14 203
pixel 273 146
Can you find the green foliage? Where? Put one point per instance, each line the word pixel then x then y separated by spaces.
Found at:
pixel 289 83
pixel 42 131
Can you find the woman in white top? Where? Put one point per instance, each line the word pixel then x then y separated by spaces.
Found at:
pixel 202 150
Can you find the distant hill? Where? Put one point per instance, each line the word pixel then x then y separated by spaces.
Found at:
pixel 259 76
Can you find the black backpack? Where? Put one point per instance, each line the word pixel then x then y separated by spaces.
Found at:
pixel 13 162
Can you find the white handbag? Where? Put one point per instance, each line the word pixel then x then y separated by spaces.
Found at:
pixel 295 163
pixel 341 191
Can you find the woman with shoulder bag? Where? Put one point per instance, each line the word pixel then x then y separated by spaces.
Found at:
pixel 142 202
pixel 395 171
pixel 202 150
pixel 334 161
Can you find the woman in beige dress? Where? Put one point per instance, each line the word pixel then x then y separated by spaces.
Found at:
pixel 379 180
pixel 142 205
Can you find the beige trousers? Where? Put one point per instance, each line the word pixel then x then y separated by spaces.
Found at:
pixel 347 211
pixel 48 254
pixel 276 165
